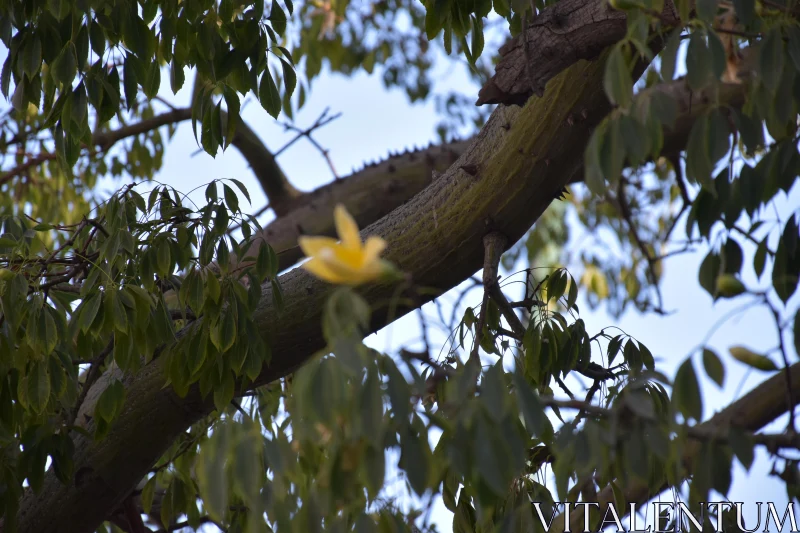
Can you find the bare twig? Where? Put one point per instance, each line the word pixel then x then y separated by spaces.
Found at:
pixel 625 211
pixel 321 121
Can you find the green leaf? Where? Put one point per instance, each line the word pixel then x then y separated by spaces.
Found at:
pixel 797 332
pixel 786 267
pixel 136 36
pixel 277 18
pixel 414 460
pixel 713 366
pixel 153 80
pixel 97 37
pixel 38 390
pixel 147 494
pixel 248 472
pixel 176 76
pixel 232 104
pixel 745 10
pixel 771 60
pixel 65 66
pixel 752 359
pixel 742 446
pixel 242 188
pixel 110 402
pixel 488 456
pixel 129 81
pixel 536 420
pixel 120 316
pixel 593 175
pixel 698 62
pixel 686 392
pixel 617 80
pixel 88 311
pixel 289 77
pixel 698 160
pixel 31 56
pixel 399 393
pixel 706 9
pixel 268 94
pixel 223 393
pixel 729 286
pixel 670 53
pixel 227 334
pixel 760 259
pixel 163 258
pixel 212 481
pixel 231 200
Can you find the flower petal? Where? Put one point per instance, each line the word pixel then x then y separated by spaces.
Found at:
pixel 317 267
pixel 312 246
pixel 373 248
pixel 352 274
pixel 346 227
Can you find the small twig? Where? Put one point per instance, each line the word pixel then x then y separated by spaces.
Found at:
pixel 254 215
pixel 239 408
pixel 91 376
pixel 321 121
pixel 507 311
pixel 589 397
pixel 625 211
pixel 493 245
pixel 747 236
pixel 791 427
pixel 528 303
pixel 20 169
pixel 563 386
pixel 510 334
pixel 177 314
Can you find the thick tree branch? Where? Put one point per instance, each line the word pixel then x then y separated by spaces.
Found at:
pixel 558 37
pixel 751 412
pixel 379 188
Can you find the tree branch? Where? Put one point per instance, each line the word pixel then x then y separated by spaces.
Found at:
pixel 569 31
pixel 751 412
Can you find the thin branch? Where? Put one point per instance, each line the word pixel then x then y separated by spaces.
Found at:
pixel 625 211
pixel 792 427
pixel 493 247
pixel 32 162
pixel 321 121
pixel 92 375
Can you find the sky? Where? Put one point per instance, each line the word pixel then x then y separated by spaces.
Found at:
pixel 375 121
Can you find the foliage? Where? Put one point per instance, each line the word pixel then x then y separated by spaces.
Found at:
pixel 105 286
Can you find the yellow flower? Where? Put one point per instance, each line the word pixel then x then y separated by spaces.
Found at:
pixel 349 262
